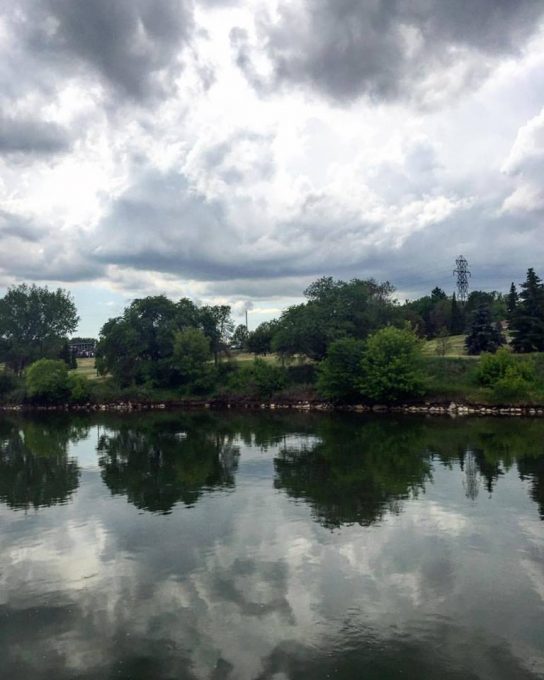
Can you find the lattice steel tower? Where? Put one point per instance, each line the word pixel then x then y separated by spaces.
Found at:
pixel 462 272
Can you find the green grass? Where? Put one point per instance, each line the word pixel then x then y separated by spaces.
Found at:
pixel 87 368
pixel 455 346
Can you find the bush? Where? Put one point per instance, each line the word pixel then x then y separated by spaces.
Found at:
pixel 509 376
pixel 339 374
pixel 80 388
pixel 495 367
pixel 391 365
pixel 260 379
pixel 47 380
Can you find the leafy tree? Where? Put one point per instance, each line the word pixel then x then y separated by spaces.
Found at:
pixel 260 339
pixel 239 337
pixel 34 322
pixel 528 321
pixel 191 353
pixel 339 374
pixel 217 324
pixel 484 335
pixel 47 380
pixel 391 365
pixel 334 309
pixel 138 347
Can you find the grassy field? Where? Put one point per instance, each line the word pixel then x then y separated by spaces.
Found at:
pixel 455 347
pixel 86 367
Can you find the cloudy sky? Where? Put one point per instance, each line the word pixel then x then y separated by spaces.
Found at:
pixel 234 150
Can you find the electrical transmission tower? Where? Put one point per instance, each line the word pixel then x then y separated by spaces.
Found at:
pixel 462 272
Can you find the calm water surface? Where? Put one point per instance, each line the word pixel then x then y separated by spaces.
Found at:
pixel 263 546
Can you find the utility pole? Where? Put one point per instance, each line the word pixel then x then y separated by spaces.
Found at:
pixel 462 272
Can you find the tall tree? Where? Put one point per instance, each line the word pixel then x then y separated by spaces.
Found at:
pixel 512 303
pixel 484 335
pixel 528 321
pixel 457 320
pixel 217 324
pixel 34 322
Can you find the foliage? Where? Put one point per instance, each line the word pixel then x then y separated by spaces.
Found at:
pixel 239 337
pixel 8 382
pixel 217 324
pixel 443 343
pixel 260 379
pixel 509 377
pixel 138 347
pixel 527 323
pixel 79 387
pixel 391 365
pixel 339 374
pixel 34 321
pixel 483 336
pixel 191 353
pixel 47 380
pixel 260 340
pixel 334 309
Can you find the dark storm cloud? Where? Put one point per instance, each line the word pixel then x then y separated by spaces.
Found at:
pixel 385 49
pixel 162 224
pixel 24 136
pixel 126 42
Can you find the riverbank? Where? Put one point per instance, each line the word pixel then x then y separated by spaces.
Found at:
pixel 451 408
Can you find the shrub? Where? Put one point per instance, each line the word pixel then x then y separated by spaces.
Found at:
pixel 391 365
pixel 260 379
pixel 47 380
pixel 495 367
pixel 80 388
pixel 509 376
pixel 339 374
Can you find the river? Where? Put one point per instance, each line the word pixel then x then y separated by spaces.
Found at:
pixel 253 546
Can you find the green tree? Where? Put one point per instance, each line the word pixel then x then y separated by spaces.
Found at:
pixel 217 324
pixel 47 380
pixel 260 339
pixel 339 374
pixel 457 319
pixel 528 321
pixel 391 365
pixel 512 303
pixel 484 335
pixel 79 388
pixel 191 353
pixel 334 309
pixel 239 337
pixel 34 322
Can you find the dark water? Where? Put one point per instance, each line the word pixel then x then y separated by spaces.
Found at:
pixel 271 547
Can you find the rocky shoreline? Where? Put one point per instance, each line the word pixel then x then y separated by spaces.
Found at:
pixel 452 409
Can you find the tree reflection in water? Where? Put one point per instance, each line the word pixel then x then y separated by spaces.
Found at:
pixel 159 462
pixel 35 470
pixel 356 471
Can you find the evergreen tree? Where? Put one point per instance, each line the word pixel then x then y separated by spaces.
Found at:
pixel 457 323
pixel 528 322
pixel 484 335
pixel 512 303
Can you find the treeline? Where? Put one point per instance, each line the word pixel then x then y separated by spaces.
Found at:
pixel 352 338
